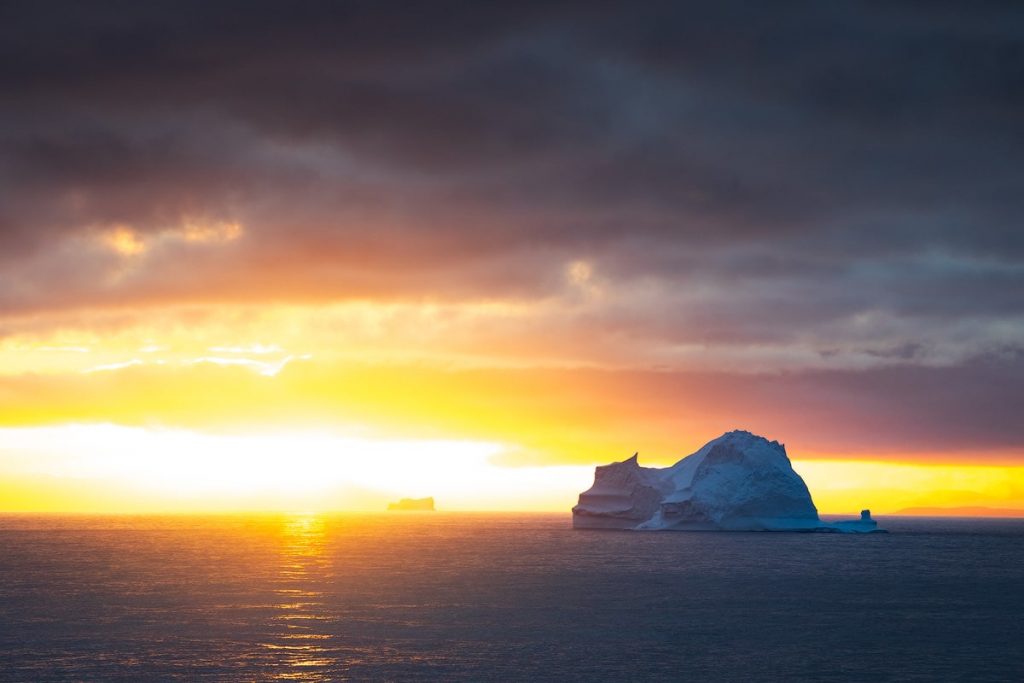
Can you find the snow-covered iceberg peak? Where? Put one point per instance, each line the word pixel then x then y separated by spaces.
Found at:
pixel 737 482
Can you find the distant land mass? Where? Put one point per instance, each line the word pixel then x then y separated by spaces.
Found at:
pixel 412 504
pixel 963 511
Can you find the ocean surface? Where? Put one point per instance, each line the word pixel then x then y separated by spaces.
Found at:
pixel 444 597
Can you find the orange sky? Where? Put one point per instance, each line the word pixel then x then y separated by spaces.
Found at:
pixel 222 407
pixel 307 246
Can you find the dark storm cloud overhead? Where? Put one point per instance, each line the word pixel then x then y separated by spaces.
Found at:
pixel 808 162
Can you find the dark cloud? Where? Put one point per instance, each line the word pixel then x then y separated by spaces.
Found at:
pixel 780 173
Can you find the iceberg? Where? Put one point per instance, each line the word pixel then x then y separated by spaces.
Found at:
pixel 737 482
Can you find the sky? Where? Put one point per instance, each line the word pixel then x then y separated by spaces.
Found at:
pixel 260 254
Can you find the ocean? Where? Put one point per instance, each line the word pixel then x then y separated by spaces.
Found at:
pixel 503 597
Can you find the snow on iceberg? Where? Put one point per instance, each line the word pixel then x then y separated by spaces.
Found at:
pixel 738 482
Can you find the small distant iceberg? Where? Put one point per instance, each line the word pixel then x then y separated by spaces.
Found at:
pixel 412 505
pixel 864 525
pixel 737 482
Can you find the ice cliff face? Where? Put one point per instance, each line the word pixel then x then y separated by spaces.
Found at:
pixel 623 496
pixel 738 482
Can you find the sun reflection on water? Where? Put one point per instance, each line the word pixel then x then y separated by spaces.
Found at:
pixel 300 638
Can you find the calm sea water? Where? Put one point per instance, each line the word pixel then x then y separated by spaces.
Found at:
pixel 503 597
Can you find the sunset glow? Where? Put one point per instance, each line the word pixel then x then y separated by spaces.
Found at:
pixel 349 405
pixel 551 252
pixel 497 341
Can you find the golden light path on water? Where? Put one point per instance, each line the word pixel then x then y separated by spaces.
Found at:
pixel 300 607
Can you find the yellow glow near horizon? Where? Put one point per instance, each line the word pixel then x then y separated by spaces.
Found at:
pixel 110 468
pixel 452 400
pixel 197 471
pixel 840 486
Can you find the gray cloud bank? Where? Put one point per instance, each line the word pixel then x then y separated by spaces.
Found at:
pixel 841 181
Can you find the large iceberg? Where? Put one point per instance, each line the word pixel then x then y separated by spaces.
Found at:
pixel 738 482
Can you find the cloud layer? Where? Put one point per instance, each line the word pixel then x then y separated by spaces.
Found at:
pixel 827 190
